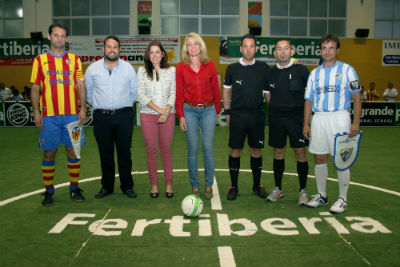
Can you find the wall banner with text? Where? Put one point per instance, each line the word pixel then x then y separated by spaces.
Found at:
pixel 306 50
pixel 22 51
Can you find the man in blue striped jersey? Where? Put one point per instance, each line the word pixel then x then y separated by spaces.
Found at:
pixel 330 88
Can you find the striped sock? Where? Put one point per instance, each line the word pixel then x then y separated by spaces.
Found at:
pixel 48 169
pixel 74 166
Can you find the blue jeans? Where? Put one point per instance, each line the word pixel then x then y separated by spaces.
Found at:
pixel 205 118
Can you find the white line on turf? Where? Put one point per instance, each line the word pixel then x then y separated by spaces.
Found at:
pixel 226 258
pixel 354 249
pixel 216 200
pixel 87 240
pixel 9 200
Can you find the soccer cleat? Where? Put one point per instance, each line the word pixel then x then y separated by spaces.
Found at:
pixel 303 198
pixel 48 199
pixel 232 194
pixel 340 206
pixel 275 195
pixel 259 191
pixel 76 195
pixel 317 201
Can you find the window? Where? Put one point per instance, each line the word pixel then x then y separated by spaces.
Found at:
pixel 93 17
pixel 11 18
pixel 307 17
pixel 387 19
pixel 206 17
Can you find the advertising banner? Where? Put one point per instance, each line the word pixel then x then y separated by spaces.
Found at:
pixel 21 51
pixel 2 119
pixel 378 114
pixel 390 52
pixel 89 49
pixel 306 50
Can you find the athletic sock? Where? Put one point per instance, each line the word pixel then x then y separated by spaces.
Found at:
pixel 279 168
pixel 343 181
pixel 234 166
pixel 302 171
pixel 321 173
pixel 48 169
pixel 74 166
pixel 256 166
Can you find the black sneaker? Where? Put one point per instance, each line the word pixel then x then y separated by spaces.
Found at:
pixel 233 192
pixel 76 195
pixel 259 191
pixel 48 199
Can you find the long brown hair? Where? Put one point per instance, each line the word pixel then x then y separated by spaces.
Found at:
pixel 147 63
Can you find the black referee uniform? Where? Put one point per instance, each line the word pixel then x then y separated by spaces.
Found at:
pixel 247 116
pixel 286 110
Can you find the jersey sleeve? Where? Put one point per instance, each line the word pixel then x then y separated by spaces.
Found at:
pixel 228 77
pixel 79 73
pixel 35 76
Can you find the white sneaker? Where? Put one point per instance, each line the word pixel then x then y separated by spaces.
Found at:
pixel 317 201
pixel 303 198
pixel 275 195
pixel 340 206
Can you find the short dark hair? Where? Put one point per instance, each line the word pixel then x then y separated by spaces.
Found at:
pixel 59 25
pixel 248 36
pixel 113 37
pixel 330 37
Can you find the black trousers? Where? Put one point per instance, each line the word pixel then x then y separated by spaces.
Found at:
pixel 114 128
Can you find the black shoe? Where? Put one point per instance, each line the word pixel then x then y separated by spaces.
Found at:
pixel 154 195
pixel 169 194
pixel 48 199
pixel 233 192
pixel 103 192
pixel 259 191
pixel 130 193
pixel 76 195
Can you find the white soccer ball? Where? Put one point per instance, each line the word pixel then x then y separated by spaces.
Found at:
pixel 192 205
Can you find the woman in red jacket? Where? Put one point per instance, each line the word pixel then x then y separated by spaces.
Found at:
pixel 197 104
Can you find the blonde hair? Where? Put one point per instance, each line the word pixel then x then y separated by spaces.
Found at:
pixel 203 49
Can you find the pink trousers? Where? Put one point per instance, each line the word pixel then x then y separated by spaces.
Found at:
pixel 162 133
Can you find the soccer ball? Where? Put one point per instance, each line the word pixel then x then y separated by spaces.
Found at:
pixel 192 205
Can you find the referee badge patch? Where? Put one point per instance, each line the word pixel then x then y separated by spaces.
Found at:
pixel 354 85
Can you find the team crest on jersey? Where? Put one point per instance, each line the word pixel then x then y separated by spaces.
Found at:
pixel 354 85
pixel 68 61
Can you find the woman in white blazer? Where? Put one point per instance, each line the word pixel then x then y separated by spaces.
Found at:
pixel 156 95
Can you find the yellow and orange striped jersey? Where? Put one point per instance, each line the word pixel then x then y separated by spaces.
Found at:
pixel 57 78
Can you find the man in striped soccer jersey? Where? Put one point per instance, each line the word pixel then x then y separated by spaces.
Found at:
pixel 57 82
pixel 329 89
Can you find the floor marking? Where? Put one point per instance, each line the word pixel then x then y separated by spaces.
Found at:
pixel 216 200
pixel 9 200
pixel 87 240
pixel 354 249
pixel 226 258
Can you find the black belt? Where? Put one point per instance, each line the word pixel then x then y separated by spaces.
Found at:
pixel 207 104
pixel 112 111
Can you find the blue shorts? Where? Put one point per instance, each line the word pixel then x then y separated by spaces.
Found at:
pixel 55 132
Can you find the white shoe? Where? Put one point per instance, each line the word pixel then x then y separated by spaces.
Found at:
pixel 275 195
pixel 317 201
pixel 340 206
pixel 303 198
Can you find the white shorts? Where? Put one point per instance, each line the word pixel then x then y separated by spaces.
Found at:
pixel 324 127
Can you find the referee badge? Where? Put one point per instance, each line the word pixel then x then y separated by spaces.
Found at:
pixel 346 150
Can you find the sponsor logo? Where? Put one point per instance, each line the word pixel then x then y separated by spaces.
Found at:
pixel 18 114
pixel 239 82
pixel 226 226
